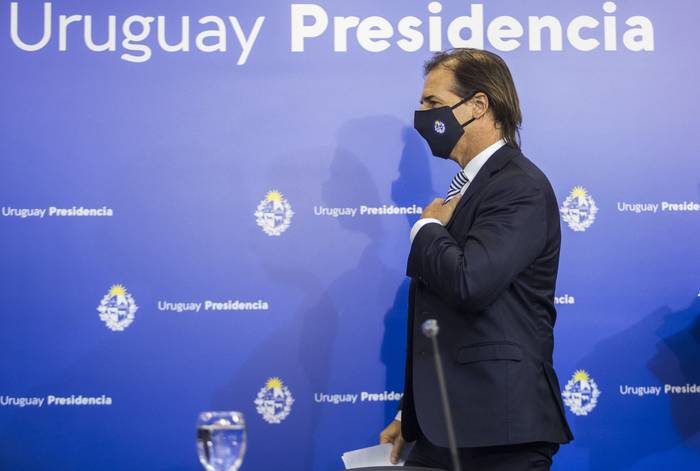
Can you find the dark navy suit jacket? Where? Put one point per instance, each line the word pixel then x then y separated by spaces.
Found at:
pixel 488 277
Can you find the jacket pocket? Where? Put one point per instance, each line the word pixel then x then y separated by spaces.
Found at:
pixel 485 351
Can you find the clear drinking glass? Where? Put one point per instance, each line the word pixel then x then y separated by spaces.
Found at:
pixel 221 440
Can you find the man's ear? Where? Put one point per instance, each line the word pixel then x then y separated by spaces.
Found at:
pixel 480 105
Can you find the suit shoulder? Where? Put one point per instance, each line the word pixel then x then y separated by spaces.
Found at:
pixel 523 169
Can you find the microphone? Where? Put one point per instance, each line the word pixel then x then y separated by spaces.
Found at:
pixel 430 329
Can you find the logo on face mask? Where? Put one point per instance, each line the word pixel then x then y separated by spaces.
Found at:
pixel 439 127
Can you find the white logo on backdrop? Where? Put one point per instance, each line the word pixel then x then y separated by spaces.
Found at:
pixel 274 401
pixel 579 209
pixel 117 308
pixel 581 393
pixel 274 214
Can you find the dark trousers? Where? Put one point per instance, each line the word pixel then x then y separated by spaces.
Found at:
pixel 533 456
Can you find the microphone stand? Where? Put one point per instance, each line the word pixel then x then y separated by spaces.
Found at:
pixel 430 329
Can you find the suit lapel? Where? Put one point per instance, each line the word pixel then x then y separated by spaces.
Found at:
pixel 494 163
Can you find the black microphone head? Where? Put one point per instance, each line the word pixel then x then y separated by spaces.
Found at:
pixel 430 328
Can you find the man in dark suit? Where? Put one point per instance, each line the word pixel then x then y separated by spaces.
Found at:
pixel 483 262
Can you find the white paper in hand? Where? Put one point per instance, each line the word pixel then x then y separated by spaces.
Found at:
pixel 379 455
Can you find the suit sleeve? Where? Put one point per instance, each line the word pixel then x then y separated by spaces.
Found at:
pixel 508 233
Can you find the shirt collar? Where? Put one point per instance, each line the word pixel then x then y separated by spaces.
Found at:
pixel 472 168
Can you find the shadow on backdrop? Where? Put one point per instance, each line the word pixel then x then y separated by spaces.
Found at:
pixel 413 186
pixel 324 337
pixel 669 341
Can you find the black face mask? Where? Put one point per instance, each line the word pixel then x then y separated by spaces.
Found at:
pixel 440 127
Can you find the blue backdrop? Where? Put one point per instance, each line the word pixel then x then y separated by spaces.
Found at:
pixel 271 191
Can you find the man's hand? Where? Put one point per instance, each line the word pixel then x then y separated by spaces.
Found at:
pixel 392 434
pixel 440 210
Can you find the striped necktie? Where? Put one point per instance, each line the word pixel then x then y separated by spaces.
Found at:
pixel 456 186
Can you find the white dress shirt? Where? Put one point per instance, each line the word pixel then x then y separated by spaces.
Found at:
pixel 470 170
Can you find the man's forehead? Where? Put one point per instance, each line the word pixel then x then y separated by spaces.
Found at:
pixel 438 82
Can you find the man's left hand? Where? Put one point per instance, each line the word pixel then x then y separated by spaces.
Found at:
pixel 440 210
